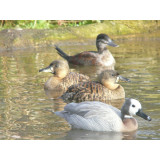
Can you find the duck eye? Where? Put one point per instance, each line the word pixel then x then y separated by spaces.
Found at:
pixel 133 105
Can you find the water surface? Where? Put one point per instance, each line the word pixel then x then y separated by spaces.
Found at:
pixel 26 111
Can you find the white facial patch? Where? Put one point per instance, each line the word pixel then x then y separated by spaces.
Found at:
pixel 117 80
pixel 134 107
pixel 51 68
pixel 47 70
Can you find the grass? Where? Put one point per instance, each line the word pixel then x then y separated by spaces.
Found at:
pixel 43 24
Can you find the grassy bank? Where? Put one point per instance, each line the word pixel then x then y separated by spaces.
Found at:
pixel 20 38
pixel 43 24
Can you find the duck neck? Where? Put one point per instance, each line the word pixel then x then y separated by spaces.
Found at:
pixel 100 50
pixel 61 73
pixel 130 124
pixel 52 82
pixel 122 116
pixel 110 86
pixel 101 47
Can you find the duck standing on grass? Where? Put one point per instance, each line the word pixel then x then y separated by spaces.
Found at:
pixel 101 57
pixel 98 116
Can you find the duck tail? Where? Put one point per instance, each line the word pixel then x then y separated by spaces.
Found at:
pixel 61 53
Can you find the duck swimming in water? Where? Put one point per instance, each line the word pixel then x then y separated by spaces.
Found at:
pixel 62 78
pixel 107 88
pixel 102 57
pixel 98 116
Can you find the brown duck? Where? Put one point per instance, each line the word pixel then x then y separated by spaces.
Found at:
pixel 62 78
pixel 107 88
pixel 101 57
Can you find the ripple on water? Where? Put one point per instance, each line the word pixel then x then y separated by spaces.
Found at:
pixel 26 111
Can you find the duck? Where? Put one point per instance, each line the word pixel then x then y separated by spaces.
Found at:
pixel 99 116
pixel 101 57
pixel 62 78
pixel 106 88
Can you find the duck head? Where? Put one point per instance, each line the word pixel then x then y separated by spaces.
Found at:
pixel 110 79
pixel 58 68
pixel 133 107
pixel 103 41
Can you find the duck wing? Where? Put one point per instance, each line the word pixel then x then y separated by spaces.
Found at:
pixel 86 91
pixel 95 116
pixel 84 58
pixel 72 79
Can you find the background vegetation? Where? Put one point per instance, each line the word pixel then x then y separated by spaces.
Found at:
pixel 20 34
pixel 43 24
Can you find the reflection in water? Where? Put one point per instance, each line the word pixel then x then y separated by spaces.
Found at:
pixel 116 103
pixel 25 111
pixel 53 94
pixel 91 71
pixel 76 134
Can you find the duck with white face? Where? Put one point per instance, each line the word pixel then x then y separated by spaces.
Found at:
pixel 98 116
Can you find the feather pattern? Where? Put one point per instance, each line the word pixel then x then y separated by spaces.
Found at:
pixel 92 91
pixel 101 57
pixel 98 116
pixel 107 88
pixel 63 84
pixel 95 116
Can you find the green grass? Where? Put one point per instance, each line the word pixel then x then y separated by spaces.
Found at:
pixel 43 24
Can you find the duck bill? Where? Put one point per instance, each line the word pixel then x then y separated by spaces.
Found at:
pixel 124 79
pixel 143 115
pixel 111 43
pixel 47 69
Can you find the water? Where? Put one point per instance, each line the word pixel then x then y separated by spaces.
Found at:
pixel 26 111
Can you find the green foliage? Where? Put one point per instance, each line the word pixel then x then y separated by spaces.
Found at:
pixel 43 24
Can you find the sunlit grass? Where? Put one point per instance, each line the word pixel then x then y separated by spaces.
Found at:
pixel 43 24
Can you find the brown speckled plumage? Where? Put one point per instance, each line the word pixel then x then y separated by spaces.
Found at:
pixel 63 84
pixel 96 91
pixel 62 79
